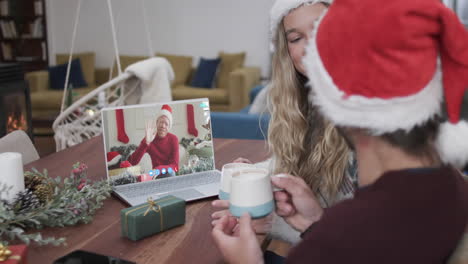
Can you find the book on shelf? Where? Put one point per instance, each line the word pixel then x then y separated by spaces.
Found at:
pixel 6 51
pixel 8 29
pixel 37 28
pixel 12 26
pixel 5 31
pixel 4 8
pixel 38 8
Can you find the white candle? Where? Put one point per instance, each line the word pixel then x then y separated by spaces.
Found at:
pixel 11 174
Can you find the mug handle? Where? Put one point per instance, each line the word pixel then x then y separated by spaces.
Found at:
pixel 276 189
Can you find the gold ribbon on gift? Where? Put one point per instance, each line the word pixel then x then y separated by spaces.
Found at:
pixel 151 207
pixel 5 254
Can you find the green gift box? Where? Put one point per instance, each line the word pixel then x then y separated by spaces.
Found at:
pixel 152 217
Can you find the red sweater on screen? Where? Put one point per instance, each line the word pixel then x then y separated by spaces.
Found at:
pixel 408 216
pixel 164 152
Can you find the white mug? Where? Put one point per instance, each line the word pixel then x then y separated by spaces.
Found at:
pixel 226 174
pixel 252 192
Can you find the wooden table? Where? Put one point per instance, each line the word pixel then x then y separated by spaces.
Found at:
pixel 190 243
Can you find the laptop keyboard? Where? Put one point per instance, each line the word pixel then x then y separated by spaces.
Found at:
pixel 168 184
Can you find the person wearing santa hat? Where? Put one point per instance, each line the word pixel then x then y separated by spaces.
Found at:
pixel 295 127
pixel 398 92
pixel 161 145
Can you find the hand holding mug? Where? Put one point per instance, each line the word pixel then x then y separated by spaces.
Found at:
pixel 261 226
pixel 150 131
pixel 237 246
pixel 297 203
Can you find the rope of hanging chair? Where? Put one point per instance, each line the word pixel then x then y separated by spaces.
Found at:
pixel 114 37
pixel 81 119
pixel 67 76
pixel 75 28
pixel 149 42
pixel 113 62
pixel 148 35
pixel 90 95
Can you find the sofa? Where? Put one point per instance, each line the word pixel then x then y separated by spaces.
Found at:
pixel 46 102
pixel 241 125
pixel 232 84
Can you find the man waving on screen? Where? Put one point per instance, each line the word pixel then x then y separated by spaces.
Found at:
pixel 159 143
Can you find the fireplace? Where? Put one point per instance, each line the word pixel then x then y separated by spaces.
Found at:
pixel 15 106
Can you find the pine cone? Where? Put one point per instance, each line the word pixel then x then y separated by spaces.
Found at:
pixel 31 181
pixel 44 192
pixel 26 200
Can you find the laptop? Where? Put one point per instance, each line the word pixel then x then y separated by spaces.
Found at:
pixel 160 149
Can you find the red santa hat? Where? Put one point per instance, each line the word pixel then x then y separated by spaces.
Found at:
pixel 113 158
pixel 389 65
pixel 281 8
pixel 166 111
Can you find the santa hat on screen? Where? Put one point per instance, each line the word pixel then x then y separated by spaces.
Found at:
pixel 404 62
pixel 280 9
pixel 166 111
pixel 113 158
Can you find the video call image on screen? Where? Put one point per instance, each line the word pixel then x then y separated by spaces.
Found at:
pixel 150 142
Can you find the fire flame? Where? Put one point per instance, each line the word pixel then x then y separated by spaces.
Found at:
pixel 16 123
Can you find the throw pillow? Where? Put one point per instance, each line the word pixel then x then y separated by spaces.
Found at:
pixel 58 73
pixel 205 73
pixel 182 66
pixel 87 60
pixel 229 63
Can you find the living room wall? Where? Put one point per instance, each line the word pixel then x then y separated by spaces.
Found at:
pixel 185 27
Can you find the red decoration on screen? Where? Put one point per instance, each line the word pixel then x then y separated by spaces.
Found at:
pixel 121 134
pixel 192 130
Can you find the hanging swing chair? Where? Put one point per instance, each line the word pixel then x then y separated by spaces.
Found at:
pixel 147 81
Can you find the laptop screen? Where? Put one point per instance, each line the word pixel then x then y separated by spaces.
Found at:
pixel 151 142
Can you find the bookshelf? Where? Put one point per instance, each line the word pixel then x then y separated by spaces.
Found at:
pixel 23 34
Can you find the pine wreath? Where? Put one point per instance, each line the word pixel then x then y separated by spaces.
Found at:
pixel 51 202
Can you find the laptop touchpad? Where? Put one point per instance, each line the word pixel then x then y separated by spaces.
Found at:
pixel 187 194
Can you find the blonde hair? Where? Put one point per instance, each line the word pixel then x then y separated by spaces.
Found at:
pixel 304 144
